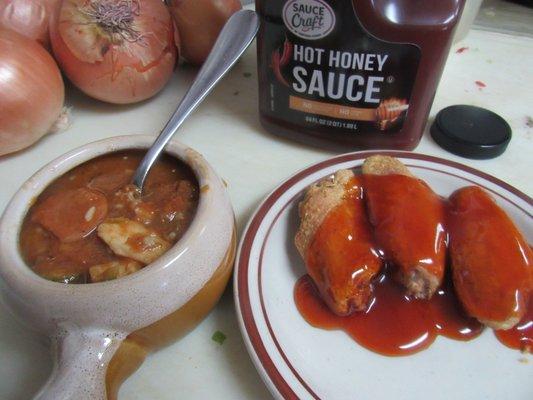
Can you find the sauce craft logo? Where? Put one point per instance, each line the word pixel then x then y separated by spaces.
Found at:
pixel 309 19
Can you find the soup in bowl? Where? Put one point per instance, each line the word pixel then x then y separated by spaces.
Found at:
pixel 92 224
pixel 108 273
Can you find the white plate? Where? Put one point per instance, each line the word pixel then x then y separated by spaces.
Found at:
pixel 298 361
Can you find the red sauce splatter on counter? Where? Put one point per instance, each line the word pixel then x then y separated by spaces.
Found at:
pixel 481 84
pixel 394 324
pixel 521 336
pixel 461 50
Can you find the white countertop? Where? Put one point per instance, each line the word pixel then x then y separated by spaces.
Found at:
pixel 226 130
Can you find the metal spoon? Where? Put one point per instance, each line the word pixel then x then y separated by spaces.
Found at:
pixel 233 40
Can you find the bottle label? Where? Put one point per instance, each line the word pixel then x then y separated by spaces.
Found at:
pixel 324 69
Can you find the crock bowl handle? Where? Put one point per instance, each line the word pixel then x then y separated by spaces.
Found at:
pixel 81 360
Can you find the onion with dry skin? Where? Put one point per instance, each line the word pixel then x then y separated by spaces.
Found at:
pixel 30 18
pixel 199 22
pixel 119 51
pixel 31 91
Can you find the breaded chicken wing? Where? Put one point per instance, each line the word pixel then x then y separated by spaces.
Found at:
pixel 408 222
pixel 335 241
pixel 491 261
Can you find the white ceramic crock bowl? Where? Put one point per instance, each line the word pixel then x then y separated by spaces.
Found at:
pixel 90 325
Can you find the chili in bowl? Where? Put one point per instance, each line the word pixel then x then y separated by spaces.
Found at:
pixel 150 266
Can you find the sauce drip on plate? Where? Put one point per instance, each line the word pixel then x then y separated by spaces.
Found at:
pixel 394 324
pixel 519 337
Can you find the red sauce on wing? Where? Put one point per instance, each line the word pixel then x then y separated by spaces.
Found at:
pixel 393 324
pixel 341 258
pixel 485 238
pixel 392 201
pixel 492 262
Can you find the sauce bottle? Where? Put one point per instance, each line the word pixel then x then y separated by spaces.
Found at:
pixel 359 74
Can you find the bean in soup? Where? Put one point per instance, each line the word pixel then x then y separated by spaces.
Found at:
pixel 92 225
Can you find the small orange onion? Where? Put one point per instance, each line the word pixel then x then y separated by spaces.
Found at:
pixel 119 51
pixel 31 91
pixel 199 22
pixel 30 18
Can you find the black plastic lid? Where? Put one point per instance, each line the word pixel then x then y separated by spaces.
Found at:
pixel 471 132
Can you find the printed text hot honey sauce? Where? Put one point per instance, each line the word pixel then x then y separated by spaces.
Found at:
pixel 359 73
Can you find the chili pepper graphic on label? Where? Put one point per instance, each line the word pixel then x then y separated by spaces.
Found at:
pixel 281 60
pixel 287 53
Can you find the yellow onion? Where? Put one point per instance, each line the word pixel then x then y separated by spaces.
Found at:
pixel 30 18
pixel 199 22
pixel 119 51
pixel 31 91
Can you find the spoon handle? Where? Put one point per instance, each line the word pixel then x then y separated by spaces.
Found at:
pixel 233 40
